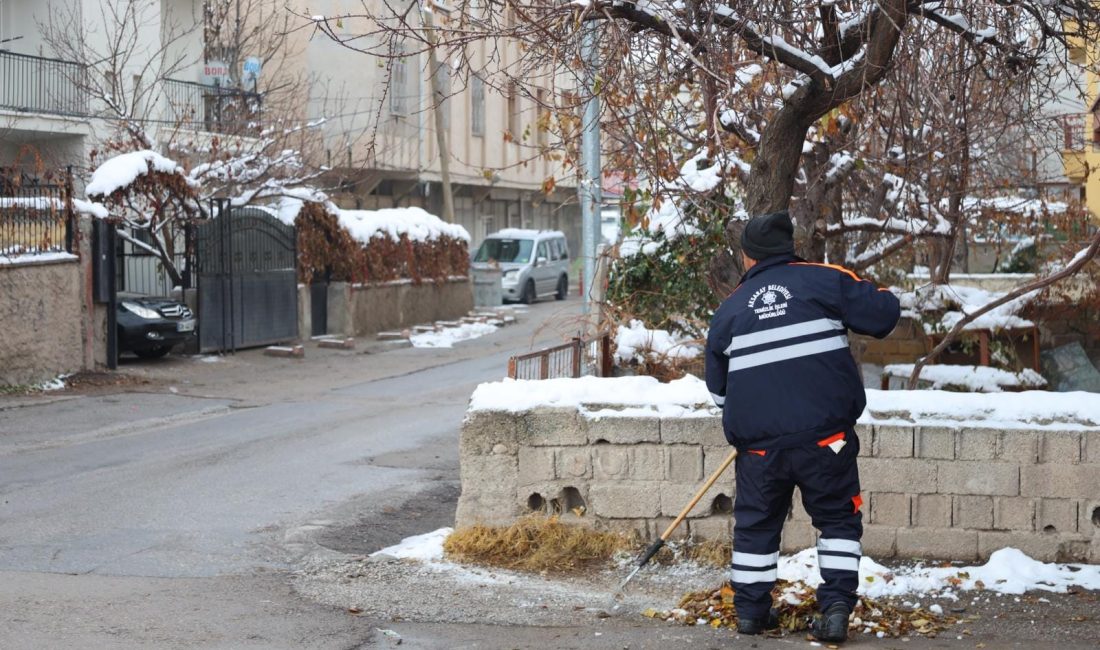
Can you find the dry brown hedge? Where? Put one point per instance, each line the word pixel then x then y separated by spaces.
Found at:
pixel 325 245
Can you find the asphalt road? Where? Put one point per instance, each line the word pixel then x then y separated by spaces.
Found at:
pixel 159 519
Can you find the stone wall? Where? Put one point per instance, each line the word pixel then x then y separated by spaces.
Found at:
pixel 397 305
pixel 929 492
pixel 41 320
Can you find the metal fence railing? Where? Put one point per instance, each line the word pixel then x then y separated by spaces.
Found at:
pixel 578 358
pixel 36 214
pixel 35 84
pixel 213 108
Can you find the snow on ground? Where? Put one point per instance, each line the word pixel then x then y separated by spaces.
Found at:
pixel 425 548
pixel 448 336
pixel 974 378
pixel 122 170
pixel 635 342
pixel 689 397
pixel 1008 571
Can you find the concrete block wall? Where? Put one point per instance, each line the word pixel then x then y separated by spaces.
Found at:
pixel 956 493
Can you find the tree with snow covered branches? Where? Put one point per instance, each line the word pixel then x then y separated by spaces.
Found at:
pixel 244 141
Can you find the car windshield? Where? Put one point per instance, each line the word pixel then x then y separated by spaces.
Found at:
pixel 505 250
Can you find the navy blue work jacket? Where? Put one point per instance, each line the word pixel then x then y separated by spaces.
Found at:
pixel 777 359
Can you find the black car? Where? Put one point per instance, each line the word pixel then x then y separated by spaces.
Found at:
pixel 149 326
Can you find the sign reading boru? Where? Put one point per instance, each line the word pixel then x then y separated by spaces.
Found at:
pixel 216 73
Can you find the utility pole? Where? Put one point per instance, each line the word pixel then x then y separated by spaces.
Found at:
pixel 589 189
pixel 439 97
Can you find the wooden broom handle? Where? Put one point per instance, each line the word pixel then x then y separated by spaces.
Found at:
pixel 699 495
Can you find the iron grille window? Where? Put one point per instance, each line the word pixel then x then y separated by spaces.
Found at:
pixel 477 106
pixel 399 79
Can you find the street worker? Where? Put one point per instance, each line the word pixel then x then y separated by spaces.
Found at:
pixel 779 365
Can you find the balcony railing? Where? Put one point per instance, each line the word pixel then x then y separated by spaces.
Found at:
pixel 213 108
pixel 35 84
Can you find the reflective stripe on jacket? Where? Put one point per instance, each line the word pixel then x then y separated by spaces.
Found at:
pixel 777 356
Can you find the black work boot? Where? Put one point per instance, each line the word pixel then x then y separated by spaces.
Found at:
pixel 754 626
pixel 832 624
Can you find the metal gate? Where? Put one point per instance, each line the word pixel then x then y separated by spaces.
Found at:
pixel 246 264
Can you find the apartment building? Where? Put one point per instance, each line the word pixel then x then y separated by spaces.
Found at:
pixel 69 83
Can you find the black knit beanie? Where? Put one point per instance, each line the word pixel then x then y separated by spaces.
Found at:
pixel 767 235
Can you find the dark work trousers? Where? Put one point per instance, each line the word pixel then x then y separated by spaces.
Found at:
pixel 826 474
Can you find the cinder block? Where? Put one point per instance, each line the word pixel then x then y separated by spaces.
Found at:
pixel 536 464
pixel 484 430
pixel 685 463
pixel 713 457
pixel 938 543
pixel 648 463
pixel 879 541
pixel 636 528
pixel 623 430
pixel 1059 481
pixel 573 463
pixel 553 427
pixel 487 509
pixel 1014 514
pixel 337 344
pixel 676 496
pixel 611 462
pixel 890 509
pixel 931 511
pixel 1040 547
pixel 866 434
pixel 625 500
pixel 1060 447
pixel 491 473
pixel 1092 447
pixel 717 528
pixel 974 512
pixel 977 444
pixel 897 474
pixel 893 441
pixel 1057 516
pixel 692 431
pixel 935 442
pixel 797 535
pixel 1019 446
pixel 657 527
pixel 976 477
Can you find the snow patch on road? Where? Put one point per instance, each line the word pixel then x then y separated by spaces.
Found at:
pixel 448 336
pixel 425 548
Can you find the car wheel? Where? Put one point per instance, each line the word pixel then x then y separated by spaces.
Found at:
pixel 529 292
pixel 563 288
pixel 153 353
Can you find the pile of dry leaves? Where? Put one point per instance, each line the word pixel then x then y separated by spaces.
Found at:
pixel 796 604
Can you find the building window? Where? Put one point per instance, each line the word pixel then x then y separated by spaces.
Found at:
pixel 477 106
pixel 399 82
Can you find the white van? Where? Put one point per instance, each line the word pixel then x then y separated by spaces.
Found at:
pixel 535 263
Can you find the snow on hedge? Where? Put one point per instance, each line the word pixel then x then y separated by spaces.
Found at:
pixel 979 379
pixel 637 343
pixel 955 301
pixel 122 170
pixel 415 223
pixel 666 218
pixel 645 396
